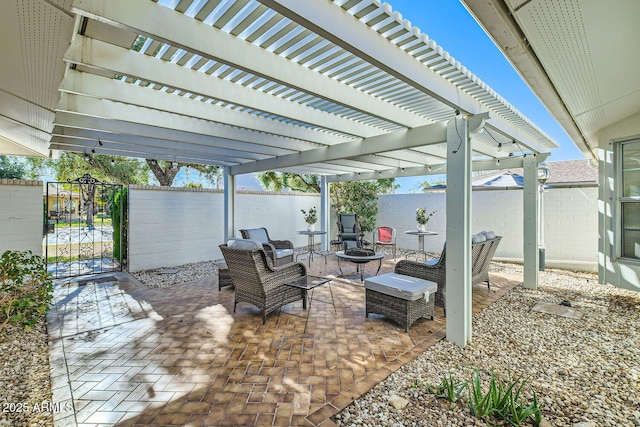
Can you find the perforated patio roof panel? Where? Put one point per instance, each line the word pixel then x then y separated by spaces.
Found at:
pixel 590 65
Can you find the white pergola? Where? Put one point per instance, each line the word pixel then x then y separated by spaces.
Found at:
pixel 343 89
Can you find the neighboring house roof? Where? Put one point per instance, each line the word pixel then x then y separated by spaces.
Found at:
pixel 562 173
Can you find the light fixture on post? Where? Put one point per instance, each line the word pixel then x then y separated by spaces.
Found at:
pixel 152 162
pixel 543 175
pixel 174 165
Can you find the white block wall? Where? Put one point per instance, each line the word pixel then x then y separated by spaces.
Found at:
pixel 21 210
pixel 170 227
pixel 570 224
pixel 174 226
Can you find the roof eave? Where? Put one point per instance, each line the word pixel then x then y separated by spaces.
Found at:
pixel 497 21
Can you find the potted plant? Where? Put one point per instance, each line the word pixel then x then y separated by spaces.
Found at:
pixel 310 217
pixel 422 218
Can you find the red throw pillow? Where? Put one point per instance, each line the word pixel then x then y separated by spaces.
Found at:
pixel 384 234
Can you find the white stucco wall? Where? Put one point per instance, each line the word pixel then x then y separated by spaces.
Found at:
pixel 170 227
pixel 570 225
pixel 612 269
pixel 175 226
pixel 21 210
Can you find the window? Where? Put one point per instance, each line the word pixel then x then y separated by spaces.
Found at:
pixel 630 200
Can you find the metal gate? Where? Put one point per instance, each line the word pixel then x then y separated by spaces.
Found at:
pixel 80 230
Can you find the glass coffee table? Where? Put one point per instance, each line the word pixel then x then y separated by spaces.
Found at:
pixel 310 283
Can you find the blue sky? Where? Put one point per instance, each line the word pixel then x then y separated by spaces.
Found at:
pixel 454 29
pixel 451 26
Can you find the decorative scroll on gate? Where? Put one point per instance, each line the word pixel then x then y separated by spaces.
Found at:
pixel 79 237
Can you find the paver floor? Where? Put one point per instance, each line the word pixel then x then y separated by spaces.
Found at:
pixel 127 355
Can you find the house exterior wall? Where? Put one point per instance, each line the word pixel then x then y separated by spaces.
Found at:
pixel 612 269
pixel 570 225
pixel 174 226
pixel 21 210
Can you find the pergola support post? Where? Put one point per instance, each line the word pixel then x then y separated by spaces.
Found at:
pixel 458 203
pixel 229 204
pixel 530 224
pixel 324 212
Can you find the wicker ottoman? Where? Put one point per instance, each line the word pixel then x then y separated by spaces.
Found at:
pixel 224 278
pixel 401 298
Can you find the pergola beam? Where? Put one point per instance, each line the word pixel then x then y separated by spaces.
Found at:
pixel 231 50
pixel 341 28
pixel 438 169
pixel 98 54
pixel 424 135
pixel 95 86
pixel 168 122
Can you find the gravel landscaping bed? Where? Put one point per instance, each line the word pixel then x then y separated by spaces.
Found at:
pixel 25 381
pixel 585 372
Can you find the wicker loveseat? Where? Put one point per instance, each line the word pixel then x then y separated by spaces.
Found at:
pixel 280 251
pixel 483 247
pixel 257 280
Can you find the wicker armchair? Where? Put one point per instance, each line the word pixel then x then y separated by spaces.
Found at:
pixel 280 251
pixel 436 271
pixel 257 280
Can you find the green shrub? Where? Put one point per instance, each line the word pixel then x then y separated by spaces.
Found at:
pixel 119 223
pixel 26 289
pixel 503 400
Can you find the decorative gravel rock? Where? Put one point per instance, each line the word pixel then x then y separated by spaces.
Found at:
pixel 585 372
pixel 25 384
pixel 162 277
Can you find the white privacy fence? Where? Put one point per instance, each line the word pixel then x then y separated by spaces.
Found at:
pixel 570 224
pixel 174 226
pixel 169 227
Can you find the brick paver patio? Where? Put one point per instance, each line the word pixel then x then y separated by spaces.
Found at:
pixel 126 355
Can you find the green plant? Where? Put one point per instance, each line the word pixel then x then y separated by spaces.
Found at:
pixel 119 222
pixel 503 400
pixel 422 217
pixel 360 198
pixel 26 289
pixel 310 217
pixel 480 404
pixel 450 389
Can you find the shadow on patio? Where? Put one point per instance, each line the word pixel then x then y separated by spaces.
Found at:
pixel 130 355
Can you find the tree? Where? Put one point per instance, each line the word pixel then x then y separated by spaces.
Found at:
pixel 165 172
pixel 361 198
pixel 425 186
pixel 278 181
pixel 12 168
pixel 71 166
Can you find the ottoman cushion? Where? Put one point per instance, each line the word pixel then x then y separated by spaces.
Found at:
pixel 401 286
